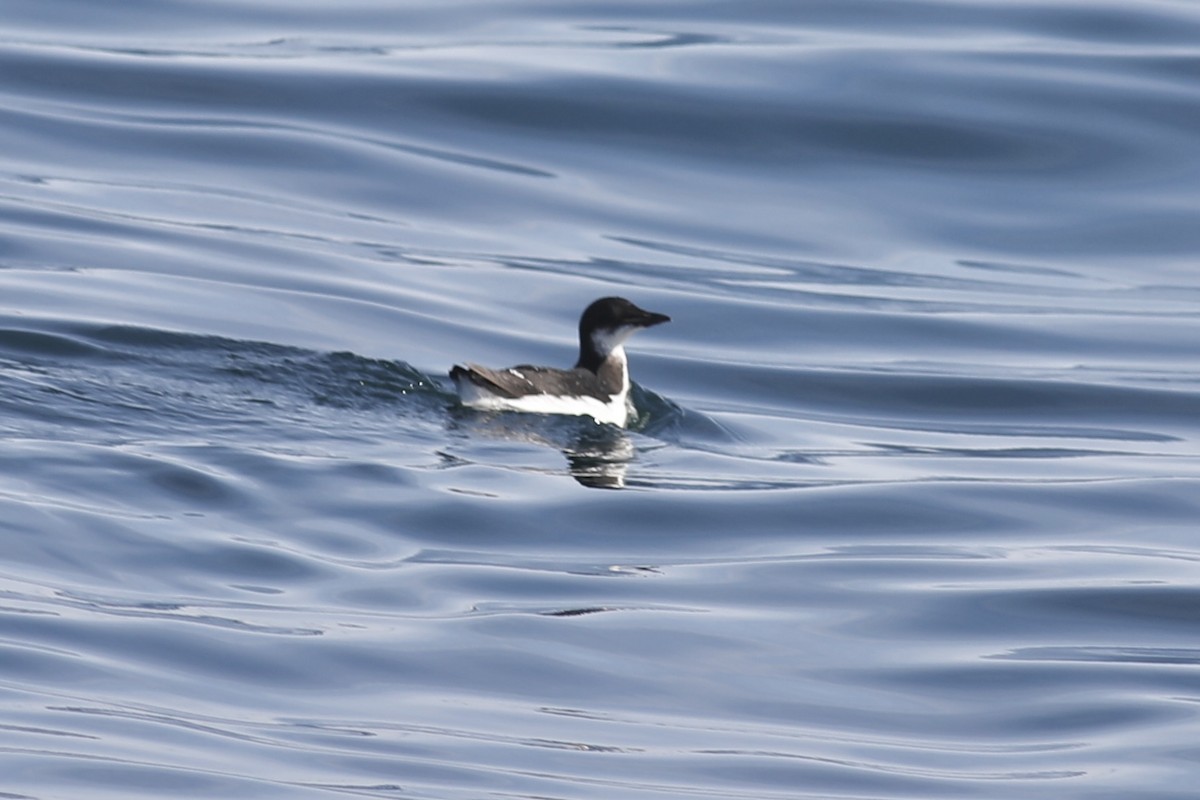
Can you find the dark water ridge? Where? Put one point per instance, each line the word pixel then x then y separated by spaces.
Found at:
pixel 142 380
pixel 908 507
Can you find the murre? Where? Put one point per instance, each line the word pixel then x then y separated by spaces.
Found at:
pixel 598 385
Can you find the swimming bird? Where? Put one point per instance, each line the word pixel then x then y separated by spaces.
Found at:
pixel 597 386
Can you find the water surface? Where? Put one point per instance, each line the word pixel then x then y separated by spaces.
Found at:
pixel 909 506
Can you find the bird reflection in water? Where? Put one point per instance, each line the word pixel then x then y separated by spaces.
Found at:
pixel 598 456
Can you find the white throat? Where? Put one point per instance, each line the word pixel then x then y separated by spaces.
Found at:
pixel 617 354
pixel 609 342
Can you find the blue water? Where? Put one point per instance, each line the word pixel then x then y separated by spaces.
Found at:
pixel 910 506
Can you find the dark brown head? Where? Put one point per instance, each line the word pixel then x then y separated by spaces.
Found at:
pixel 606 324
